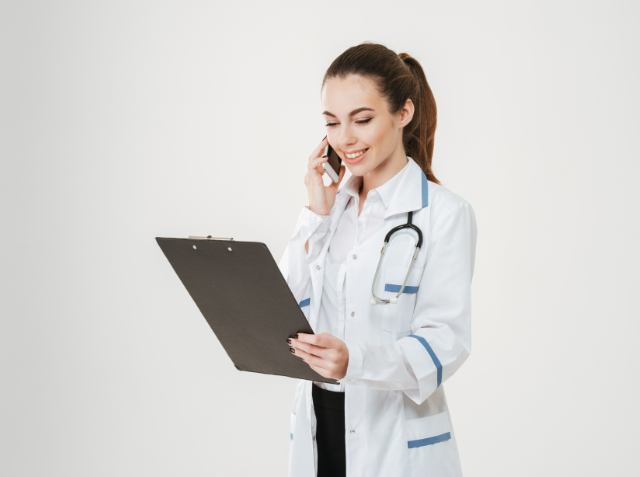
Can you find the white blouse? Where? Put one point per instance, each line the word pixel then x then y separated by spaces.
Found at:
pixel 352 230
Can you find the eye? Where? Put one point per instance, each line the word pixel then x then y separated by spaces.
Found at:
pixel 363 121
pixel 330 125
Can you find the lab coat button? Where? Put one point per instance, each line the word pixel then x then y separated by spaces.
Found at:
pixel 318 267
pixel 352 431
pixel 353 313
pixel 355 256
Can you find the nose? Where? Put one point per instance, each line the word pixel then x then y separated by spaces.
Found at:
pixel 347 139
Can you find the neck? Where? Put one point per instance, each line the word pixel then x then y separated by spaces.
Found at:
pixel 385 171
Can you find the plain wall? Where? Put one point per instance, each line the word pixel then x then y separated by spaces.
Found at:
pixel 121 121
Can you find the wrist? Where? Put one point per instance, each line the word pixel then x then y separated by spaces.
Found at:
pixel 317 211
pixel 354 364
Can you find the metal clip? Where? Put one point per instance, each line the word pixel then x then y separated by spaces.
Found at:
pixel 209 237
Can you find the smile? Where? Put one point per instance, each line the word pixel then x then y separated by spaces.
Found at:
pixel 354 157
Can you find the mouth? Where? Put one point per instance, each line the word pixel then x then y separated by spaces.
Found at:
pixel 353 157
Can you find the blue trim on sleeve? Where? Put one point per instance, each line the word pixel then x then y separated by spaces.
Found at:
pixel 291 436
pixel 429 440
pixel 435 359
pixel 396 288
pixel 425 190
pixel 304 303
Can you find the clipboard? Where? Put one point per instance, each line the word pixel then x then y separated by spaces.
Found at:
pixel 246 301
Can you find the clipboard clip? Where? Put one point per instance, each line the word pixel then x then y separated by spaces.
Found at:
pixel 209 237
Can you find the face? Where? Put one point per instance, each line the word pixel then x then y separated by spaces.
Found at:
pixel 360 128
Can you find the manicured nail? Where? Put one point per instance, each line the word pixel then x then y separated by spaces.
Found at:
pixel 292 350
pixel 296 336
pixel 288 341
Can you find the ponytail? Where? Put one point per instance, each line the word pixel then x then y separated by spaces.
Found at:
pixel 398 78
pixel 418 136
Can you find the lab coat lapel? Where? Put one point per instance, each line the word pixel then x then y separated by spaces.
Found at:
pixel 412 192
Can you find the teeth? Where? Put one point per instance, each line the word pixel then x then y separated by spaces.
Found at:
pixel 357 154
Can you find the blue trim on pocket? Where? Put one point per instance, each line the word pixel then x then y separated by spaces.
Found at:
pixel 396 288
pixel 435 359
pixel 429 440
pixel 291 436
pixel 304 303
pixel 425 190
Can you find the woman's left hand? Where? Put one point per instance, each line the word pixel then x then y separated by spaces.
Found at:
pixel 324 353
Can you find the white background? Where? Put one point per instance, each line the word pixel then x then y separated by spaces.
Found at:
pixel 121 121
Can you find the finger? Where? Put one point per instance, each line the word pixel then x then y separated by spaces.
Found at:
pixel 317 162
pixel 309 358
pixel 335 185
pixel 321 371
pixel 319 151
pixel 323 340
pixel 308 348
pixel 311 339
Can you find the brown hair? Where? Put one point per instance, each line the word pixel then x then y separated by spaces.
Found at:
pixel 398 78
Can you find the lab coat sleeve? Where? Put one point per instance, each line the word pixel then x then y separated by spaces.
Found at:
pixel 441 327
pixel 295 261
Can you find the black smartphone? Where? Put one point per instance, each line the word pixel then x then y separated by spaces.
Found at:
pixel 332 166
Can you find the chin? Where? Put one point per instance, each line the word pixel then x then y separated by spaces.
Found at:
pixel 363 168
pixel 358 169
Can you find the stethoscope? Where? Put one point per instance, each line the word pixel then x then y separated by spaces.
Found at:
pixel 381 301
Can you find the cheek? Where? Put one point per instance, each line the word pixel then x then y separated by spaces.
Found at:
pixel 375 136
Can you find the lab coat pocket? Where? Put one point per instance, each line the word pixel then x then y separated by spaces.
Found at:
pixel 429 445
pixel 396 318
pixel 427 431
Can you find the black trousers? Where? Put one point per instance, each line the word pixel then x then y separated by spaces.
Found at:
pixel 330 431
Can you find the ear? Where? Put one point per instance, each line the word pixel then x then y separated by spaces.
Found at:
pixel 406 113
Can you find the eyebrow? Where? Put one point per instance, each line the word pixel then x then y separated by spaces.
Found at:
pixel 352 113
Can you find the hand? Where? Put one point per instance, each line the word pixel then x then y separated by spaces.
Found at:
pixel 321 197
pixel 324 353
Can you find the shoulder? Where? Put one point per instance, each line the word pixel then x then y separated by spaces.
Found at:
pixel 445 201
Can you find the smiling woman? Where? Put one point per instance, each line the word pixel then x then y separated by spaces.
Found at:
pixel 391 342
pixel 388 84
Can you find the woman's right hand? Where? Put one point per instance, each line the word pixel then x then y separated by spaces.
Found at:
pixel 321 197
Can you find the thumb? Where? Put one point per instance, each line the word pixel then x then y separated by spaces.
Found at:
pixel 343 170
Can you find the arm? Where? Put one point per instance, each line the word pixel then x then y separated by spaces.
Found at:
pixel 441 328
pixel 313 223
pixel 310 231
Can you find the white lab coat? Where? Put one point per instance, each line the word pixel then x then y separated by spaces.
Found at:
pixel 393 427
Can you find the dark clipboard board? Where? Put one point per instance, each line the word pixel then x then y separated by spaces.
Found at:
pixel 242 294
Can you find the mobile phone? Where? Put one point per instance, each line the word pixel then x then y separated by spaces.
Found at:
pixel 332 166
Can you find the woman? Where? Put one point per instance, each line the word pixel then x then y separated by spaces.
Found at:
pixel 388 415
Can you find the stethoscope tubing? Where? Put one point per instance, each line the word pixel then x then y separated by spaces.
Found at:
pixel 382 301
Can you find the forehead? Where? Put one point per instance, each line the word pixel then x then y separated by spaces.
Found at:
pixel 340 96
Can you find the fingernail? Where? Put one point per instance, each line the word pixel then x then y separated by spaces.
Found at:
pixel 292 350
pixel 296 336
pixel 288 341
